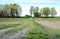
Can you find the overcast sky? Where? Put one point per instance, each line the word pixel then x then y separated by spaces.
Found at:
pixel 26 4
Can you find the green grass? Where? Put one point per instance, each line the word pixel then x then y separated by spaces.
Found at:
pixel 4 26
pixel 39 32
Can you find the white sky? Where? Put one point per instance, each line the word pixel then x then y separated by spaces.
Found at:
pixel 26 4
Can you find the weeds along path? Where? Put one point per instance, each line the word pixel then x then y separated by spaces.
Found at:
pixel 18 35
pixel 48 24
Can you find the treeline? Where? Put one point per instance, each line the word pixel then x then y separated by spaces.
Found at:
pixel 15 10
pixel 43 12
pixel 10 10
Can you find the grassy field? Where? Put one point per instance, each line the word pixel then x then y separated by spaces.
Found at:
pixel 11 19
pixel 38 31
pixel 48 19
pixel 4 26
pixel 15 23
pixel 11 22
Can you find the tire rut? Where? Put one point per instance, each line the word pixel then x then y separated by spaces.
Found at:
pixel 2 32
pixel 18 35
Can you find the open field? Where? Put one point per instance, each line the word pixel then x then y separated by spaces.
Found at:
pixel 29 28
pixel 49 19
pixel 39 31
pixel 12 20
pixel 12 25
pixel 53 23
pixel 3 26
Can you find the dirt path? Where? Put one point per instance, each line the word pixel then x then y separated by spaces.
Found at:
pixel 53 25
pixel 17 35
pixel 2 32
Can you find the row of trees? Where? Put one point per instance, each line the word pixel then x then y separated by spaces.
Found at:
pixel 43 12
pixel 14 10
pixel 10 10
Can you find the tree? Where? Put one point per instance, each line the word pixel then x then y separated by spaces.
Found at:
pixel 41 12
pixel 6 8
pixel 1 11
pixel 46 11
pixel 12 10
pixel 36 9
pixel 18 10
pixel 31 10
pixel 36 12
pixel 53 12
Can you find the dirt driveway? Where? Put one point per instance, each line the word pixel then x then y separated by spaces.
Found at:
pixel 53 25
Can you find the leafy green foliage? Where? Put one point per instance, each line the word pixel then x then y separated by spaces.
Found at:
pixel 10 10
pixel 35 14
pixel 46 11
